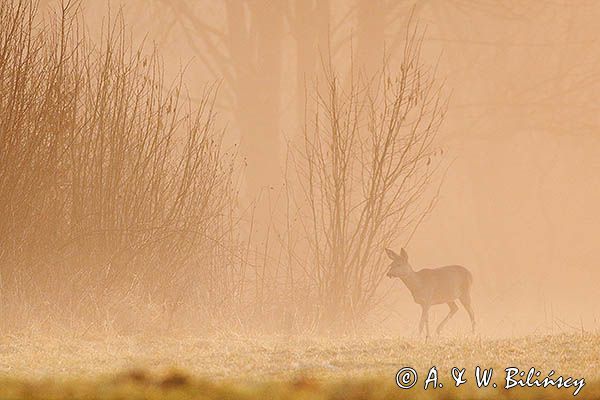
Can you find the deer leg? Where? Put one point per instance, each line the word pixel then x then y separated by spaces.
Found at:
pixel 466 302
pixel 424 320
pixel 453 310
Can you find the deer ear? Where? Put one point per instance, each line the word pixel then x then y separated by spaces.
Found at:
pixel 403 254
pixel 392 255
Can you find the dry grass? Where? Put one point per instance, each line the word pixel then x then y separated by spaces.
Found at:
pixel 247 367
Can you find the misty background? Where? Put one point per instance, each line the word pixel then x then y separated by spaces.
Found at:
pixel 519 195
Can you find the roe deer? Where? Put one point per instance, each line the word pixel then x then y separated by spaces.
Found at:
pixel 434 286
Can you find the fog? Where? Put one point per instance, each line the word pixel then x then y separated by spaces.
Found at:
pixel 516 183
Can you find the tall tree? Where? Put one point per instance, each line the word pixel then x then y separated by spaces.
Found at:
pixel 244 49
pixel 310 27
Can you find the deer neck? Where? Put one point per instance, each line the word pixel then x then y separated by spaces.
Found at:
pixel 412 281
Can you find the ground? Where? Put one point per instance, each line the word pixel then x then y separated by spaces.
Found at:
pixel 39 367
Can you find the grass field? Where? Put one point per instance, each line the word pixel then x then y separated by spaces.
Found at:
pixel 284 367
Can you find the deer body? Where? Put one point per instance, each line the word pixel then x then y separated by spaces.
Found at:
pixel 434 286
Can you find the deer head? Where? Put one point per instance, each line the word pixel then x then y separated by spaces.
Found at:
pixel 399 267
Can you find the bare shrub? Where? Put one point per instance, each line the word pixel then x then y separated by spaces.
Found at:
pixel 36 101
pixel 116 193
pixel 366 171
